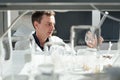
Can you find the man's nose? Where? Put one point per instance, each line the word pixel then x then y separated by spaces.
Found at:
pixel 52 27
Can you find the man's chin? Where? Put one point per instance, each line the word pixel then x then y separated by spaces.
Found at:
pixel 50 35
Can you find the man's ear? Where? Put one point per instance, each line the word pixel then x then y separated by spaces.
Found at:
pixel 35 24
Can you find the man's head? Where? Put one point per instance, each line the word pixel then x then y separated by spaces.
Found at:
pixel 43 22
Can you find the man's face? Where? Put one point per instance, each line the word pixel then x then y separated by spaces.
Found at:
pixel 46 26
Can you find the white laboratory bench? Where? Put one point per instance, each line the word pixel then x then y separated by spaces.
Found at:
pixel 59 67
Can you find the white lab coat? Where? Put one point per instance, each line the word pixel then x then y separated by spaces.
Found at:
pixel 53 39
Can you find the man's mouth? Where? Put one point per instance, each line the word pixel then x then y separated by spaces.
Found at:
pixel 50 32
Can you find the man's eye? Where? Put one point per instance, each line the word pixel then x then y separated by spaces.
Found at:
pixel 49 24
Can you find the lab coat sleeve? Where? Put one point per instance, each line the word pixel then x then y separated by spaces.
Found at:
pixel 59 40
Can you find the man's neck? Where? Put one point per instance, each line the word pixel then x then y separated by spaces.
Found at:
pixel 42 39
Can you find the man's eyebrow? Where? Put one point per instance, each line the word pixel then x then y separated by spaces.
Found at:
pixel 50 22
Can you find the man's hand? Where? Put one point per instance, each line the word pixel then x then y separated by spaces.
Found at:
pixel 91 40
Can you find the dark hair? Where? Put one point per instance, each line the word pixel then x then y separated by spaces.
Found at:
pixel 37 15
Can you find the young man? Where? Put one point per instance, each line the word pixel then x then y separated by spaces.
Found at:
pixel 44 24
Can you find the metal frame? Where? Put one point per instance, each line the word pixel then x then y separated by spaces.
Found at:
pixel 72 6
pixel 73 32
